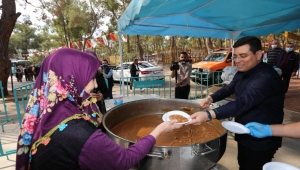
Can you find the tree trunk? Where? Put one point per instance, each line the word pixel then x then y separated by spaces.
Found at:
pixel 172 42
pixel 209 44
pixel 128 44
pixel 221 43
pixel 139 47
pixel 199 42
pixel 7 24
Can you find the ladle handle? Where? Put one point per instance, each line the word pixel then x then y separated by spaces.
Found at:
pixel 204 153
pixel 197 151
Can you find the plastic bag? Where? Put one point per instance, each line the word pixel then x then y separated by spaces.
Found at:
pixel 279 71
pixel 228 74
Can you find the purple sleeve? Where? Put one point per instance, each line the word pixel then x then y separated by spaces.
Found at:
pixel 101 153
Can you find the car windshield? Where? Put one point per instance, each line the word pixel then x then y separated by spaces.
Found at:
pixel 215 57
pixel 141 65
pixel 145 65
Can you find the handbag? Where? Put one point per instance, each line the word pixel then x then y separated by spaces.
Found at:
pixel 102 107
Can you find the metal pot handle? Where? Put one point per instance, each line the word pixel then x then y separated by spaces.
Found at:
pixel 163 154
pixel 196 150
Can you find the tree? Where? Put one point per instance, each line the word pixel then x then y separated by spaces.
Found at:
pixel 209 44
pixel 73 20
pixel 25 37
pixel 7 24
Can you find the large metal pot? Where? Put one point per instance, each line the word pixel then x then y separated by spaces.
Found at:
pixel 198 156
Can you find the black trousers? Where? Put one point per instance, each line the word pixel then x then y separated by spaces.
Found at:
pixel 254 160
pixel 110 92
pixel 132 80
pixel 286 77
pixel 182 92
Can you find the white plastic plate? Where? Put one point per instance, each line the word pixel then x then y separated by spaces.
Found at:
pixel 165 117
pixel 235 127
pixel 278 166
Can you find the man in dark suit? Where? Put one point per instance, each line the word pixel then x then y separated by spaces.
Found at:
pixel 134 72
pixel 288 62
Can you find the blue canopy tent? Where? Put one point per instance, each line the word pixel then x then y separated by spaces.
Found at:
pixel 209 18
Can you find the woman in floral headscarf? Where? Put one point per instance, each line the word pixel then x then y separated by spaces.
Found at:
pixel 59 129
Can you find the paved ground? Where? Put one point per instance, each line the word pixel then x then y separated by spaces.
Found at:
pixel 288 153
pixel 292 97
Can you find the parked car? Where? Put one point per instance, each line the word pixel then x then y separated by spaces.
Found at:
pixel 212 65
pixel 147 71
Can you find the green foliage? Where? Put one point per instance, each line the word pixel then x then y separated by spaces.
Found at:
pixel 25 37
pixel 74 20
pixel 36 60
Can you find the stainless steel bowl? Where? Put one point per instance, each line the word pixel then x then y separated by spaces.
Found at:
pixel 197 156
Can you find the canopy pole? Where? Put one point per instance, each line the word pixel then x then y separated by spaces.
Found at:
pixel 121 62
pixel 234 35
pixel 232 52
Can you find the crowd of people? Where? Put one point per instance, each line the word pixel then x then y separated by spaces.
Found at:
pixel 30 72
pixel 62 126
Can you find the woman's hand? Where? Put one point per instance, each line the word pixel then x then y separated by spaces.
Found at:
pixel 165 127
pixel 98 96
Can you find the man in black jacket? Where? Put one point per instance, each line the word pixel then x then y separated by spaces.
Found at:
pixel 259 98
pixel 288 62
pixel 134 72
pixel 30 73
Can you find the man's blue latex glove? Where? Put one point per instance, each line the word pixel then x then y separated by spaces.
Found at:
pixel 259 130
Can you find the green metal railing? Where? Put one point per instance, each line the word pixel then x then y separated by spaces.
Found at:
pixel 4 112
pixel 203 81
pixel 9 152
pixel 25 89
pixel 153 89
pixel 199 89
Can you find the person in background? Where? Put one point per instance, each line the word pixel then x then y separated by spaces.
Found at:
pixel 182 86
pixel 36 71
pixel 19 73
pixel 256 86
pixel 134 72
pixel 101 92
pixel 288 62
pixel 189 59
pixel 26 74
pixel 33 71
pixel 59 129
pixel 259 130
pixel 108 74
pixel 30 73
pixel 273 52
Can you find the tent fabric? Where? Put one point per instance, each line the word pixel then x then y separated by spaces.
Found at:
pixel 210 18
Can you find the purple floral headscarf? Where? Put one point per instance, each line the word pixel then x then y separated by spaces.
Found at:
pixel 58 96
pixel 93 53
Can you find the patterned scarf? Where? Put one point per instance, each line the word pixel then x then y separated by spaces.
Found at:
pixel 58 96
